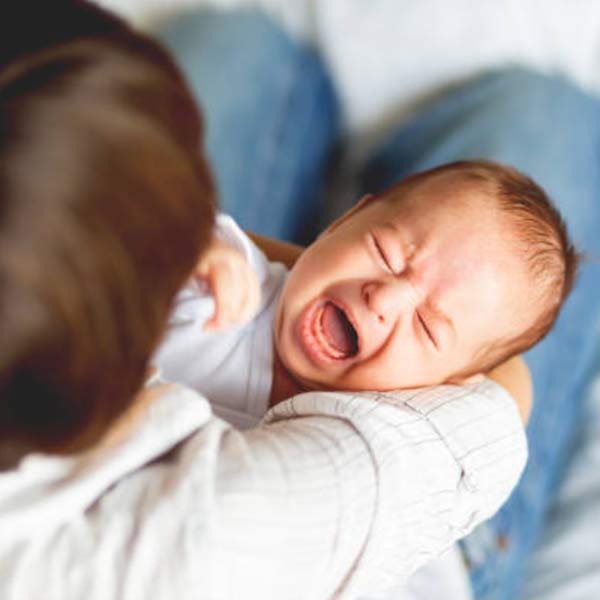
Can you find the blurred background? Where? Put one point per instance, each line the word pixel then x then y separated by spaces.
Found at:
pixel 387 58
pixel 364 44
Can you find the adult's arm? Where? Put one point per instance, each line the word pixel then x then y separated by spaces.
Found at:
pixel 514 376
pixel 276 250
pixel 332 496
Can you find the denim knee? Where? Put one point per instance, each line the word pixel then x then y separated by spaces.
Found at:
pixel 532 96
pixel 199 27
pixel 271 112
pixel 523 81
pixel 542 124
pixel 218 50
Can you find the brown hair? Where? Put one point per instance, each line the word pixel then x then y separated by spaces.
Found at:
pixel 542 233
pixel 105 206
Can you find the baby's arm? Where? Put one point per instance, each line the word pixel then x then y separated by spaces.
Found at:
pixel 234 284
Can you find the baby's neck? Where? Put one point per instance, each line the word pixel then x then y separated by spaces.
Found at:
pixel 283 386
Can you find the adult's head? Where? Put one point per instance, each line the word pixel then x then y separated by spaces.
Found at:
pixel 438 279
pixel 105 205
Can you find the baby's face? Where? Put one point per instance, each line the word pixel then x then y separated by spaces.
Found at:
pixel 403 294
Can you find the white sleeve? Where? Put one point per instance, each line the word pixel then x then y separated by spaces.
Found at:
pixel 194 303
pixel 444 459
pixel 334 495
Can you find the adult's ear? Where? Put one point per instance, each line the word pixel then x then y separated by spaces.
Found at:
pixel 367 199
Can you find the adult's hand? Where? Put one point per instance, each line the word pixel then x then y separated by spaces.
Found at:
pixel 514 376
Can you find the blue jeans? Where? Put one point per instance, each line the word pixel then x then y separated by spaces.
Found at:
pixel 271 118
pixel 561 569
pixel 272 121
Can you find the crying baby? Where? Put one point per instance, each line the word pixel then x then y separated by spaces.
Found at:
pixel 437 279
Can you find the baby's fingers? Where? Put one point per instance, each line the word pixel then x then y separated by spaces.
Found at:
pixel 235 287
pixel 249 297
pixel 222 281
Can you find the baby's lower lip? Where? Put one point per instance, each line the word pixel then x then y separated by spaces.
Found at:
pixel 313 344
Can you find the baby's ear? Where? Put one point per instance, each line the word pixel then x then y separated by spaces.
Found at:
pixel 469 379
pixel 368 198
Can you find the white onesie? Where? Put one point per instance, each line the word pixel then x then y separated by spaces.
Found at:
pixel 233 367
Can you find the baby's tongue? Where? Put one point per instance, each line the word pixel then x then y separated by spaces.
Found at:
pixel 337 329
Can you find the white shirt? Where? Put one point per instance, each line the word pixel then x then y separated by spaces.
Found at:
pixel 333 496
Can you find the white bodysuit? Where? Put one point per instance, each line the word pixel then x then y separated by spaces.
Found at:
pixel 233 367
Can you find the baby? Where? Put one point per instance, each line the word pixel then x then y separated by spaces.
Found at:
pixel 438 279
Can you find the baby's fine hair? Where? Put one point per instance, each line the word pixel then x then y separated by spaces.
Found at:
pixel 105 205
pixel 551 256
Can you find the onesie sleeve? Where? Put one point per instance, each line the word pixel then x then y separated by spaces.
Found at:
pixel 194 303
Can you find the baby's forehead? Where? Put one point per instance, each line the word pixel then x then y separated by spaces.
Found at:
pixel 448 200
pixel 444 191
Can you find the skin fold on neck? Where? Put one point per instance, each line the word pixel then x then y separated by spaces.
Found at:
pixel 283 385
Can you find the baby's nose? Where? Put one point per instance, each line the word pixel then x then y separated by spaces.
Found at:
pixel 387 299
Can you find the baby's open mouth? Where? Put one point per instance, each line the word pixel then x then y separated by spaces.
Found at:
pixel 334 332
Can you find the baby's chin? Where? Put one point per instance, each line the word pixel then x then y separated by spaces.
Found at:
pixel 302 380
pixel 312 380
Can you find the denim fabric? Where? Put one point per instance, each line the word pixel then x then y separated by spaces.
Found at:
pixel 271 117
pixel 566 562
pixel 551 131
pixel 272 123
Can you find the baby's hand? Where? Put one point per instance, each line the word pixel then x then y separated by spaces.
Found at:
pixel 234 285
